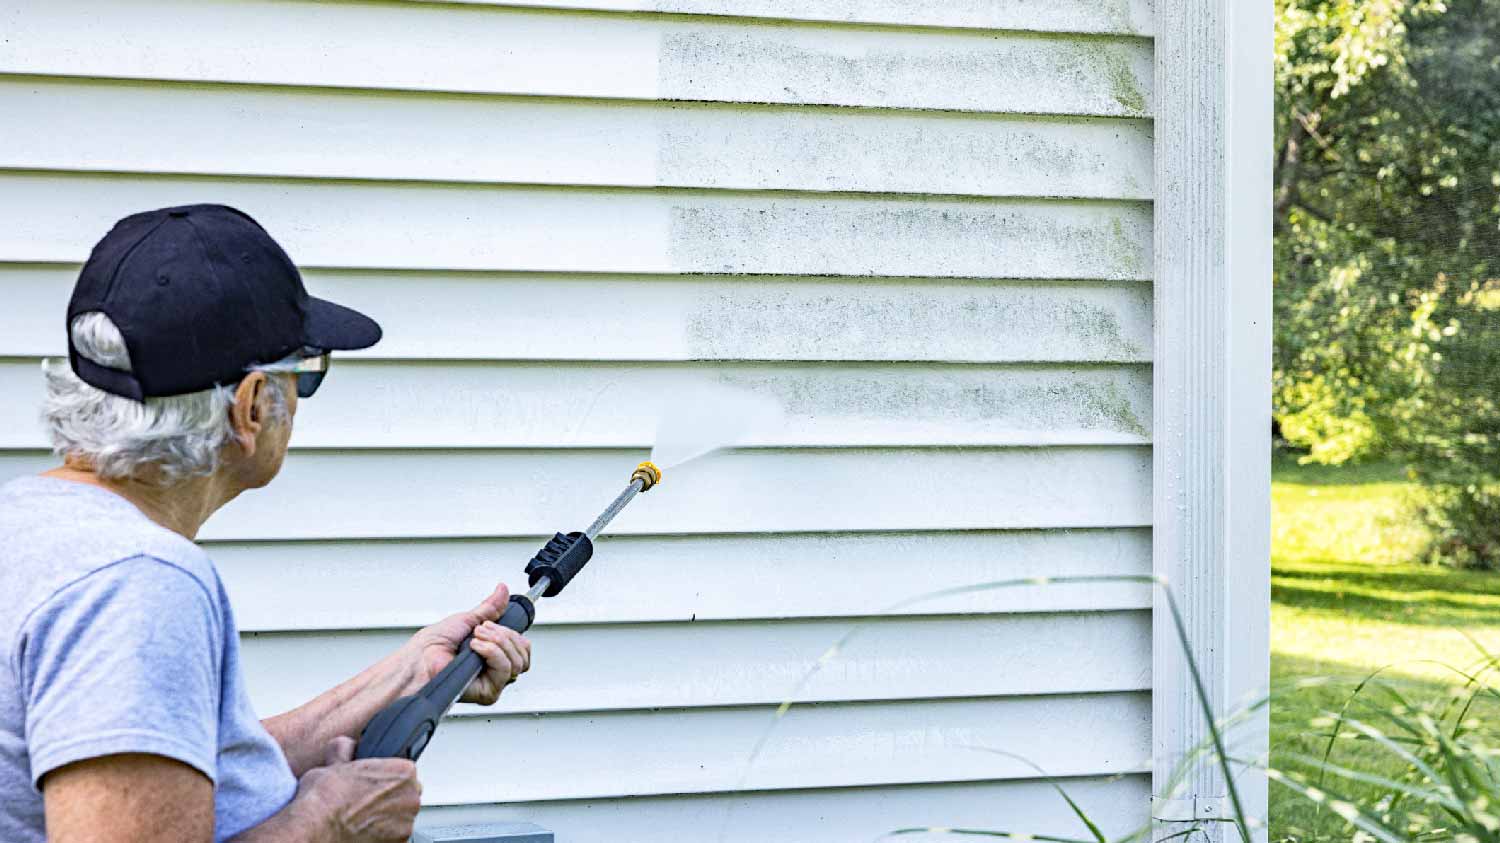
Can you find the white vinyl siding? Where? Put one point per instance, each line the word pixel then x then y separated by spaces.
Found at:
pixel 924 226
pixel 448 316
pixel 499 50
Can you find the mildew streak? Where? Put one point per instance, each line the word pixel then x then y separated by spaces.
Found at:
pixel 890 321
pixel 1051 401
pixel 844 149
pixel 1028 74
pixel 939 239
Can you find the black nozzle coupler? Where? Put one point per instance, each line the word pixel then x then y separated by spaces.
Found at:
pixel 561 558
pixel 559 561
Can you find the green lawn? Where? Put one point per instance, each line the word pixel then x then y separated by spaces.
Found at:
pixel 1347 600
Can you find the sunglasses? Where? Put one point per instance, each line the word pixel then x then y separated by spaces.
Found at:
pixel 310 371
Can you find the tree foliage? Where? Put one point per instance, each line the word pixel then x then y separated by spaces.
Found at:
pixel 1387 240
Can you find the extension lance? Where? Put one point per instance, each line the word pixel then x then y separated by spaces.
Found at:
pixel 403 728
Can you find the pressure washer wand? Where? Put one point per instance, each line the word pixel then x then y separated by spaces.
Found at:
pixel 637 485
pixel 403 728
pixel 645 476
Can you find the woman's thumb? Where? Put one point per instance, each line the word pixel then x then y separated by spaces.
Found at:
pixel 340 750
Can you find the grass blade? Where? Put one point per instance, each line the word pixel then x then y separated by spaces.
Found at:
pixel 1077 811
pixel 1346 809
pixel 1431 797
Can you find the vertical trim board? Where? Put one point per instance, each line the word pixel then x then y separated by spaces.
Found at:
pixel 1211 366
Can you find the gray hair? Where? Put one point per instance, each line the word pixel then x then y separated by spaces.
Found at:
pixel 175 437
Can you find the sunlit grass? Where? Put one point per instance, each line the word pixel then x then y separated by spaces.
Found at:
pixel 1346 595
pixel 1358 515
pixel 1348 599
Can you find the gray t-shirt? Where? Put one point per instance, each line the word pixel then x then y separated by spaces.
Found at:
pixel 116 636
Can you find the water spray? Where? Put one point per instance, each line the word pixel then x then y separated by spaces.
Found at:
pixel 403 728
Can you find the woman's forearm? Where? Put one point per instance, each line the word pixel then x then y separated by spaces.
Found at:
pixel 305 731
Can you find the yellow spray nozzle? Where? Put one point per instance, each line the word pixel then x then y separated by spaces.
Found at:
pixel 648 474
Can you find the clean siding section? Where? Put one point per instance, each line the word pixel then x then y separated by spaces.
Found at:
pixel 714 664
pixel 1109 17
pixel 832 814
pixel 925 227
pixel 790 574
pixel 452 493
pixel 828 745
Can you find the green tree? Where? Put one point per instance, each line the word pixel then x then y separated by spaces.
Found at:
pixel 1340 296
pixel 1388 129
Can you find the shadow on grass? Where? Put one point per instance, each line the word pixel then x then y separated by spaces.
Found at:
pixel 1407 594
pixel 1286 469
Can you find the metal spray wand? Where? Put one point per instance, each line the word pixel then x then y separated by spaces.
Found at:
pixel 403 728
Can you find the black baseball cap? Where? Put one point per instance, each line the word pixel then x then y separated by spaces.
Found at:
pixel 201 293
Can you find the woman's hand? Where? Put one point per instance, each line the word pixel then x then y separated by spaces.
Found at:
pixel 506 653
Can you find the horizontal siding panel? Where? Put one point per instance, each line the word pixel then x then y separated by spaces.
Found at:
pixel 371 404
pixel 635 579
pixel 706 664
pixel 1123 17
pixel 58 217
pixel 445 47
pixel 326 133
pixel 393 494
pixel 572 756
pixel 922 227
pixel 653 318
pixel 1118 805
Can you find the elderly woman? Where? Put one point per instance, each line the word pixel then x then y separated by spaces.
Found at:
pixel 123 711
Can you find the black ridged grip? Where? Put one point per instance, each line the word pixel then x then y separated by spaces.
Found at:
pixel 560 560
pixel 403 728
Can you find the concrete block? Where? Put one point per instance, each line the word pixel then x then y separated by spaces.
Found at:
pixel 484 833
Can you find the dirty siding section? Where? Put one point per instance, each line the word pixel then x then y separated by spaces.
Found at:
pixel 925 227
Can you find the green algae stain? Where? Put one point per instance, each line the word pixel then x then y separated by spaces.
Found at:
pixel 1114 63
pixel 1100 329
pixel 1125 250
pixel 1120 246
pixel 1123 85
pixel 1121 19
pixel 1106 404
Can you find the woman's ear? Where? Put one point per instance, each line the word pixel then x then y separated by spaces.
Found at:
pixel 244 414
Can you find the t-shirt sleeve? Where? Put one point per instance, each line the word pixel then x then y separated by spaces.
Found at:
pixel 125 660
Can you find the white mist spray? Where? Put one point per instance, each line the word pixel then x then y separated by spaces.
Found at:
pixel 709 417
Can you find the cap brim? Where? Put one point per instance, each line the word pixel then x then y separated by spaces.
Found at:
pixel 333 327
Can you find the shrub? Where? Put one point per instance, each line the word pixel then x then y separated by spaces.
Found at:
pixel 1399 767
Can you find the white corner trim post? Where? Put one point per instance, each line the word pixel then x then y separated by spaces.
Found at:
pixel 1211 483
